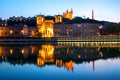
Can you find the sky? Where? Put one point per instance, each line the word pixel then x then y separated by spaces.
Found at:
pixel 107 10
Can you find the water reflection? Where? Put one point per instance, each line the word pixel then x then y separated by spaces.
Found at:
pixel 45 55
pixel 62 55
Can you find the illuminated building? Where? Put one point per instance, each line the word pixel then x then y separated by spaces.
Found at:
pixel 32 31
pixel 45 55
pixel 45 27
pixel 58 18
pixel 25 30
pixel 18 31
pixel 68 14
pixel 14 31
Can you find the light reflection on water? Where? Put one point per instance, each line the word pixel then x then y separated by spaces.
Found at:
pixel 68 61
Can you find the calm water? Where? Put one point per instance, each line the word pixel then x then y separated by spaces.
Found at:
pixel 60 61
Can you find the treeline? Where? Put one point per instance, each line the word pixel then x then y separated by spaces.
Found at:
pixel 113 29
pixel 110 28
pixel 29 21
pixel 32 21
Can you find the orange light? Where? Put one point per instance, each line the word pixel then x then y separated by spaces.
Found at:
pixel 22 51
pixel 22 31
pixel 11 51
pixel 11 31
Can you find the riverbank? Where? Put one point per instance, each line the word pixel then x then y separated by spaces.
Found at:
pixel 104 38
pixel 63 39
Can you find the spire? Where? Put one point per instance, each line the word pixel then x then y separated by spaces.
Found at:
pixel 92 14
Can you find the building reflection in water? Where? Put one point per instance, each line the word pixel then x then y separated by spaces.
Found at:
pixel 69 65
pixel 62 55
pixel 45 55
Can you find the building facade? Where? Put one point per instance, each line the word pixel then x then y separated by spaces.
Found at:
pixel 58 18
pixel 13 31
pixel 18 31
pixel 87 29
pixel 45 27
pixel 72 30
pixel 68 14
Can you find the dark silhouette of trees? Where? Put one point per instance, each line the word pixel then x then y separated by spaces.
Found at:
pixel 113 28
pixel 49 18
pixel 28 21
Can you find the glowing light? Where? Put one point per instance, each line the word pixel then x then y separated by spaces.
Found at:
pixel 1 32
pixel 11 31
pixel 33 33
pixel 1 51
pixel 40 62
pixel 11 51
pixel 47 53
pixel 79 56
pixel 45 27
pixel 22 31
pixel 101 54
pixel 100 27
pixel 22 51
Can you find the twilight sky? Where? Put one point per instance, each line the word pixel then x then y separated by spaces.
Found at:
pixel 108 10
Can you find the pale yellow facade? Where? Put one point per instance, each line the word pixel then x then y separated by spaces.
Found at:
pixel 68 14
pixel 45 27
pixel 45 55
pixel 58 18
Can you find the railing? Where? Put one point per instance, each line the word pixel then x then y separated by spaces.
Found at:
pixel 90 38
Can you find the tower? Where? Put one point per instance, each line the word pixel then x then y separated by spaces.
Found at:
pixel 58 18
pixel 40 23
pixel 68 14
pixel 45 27
pixel 92 14
pixel 40 19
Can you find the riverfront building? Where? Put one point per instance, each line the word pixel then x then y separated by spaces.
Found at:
pixel 45 27
pixel 17 31
pixel 51 28
pixel 69 30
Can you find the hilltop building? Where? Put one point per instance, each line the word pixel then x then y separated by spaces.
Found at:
pixel 68 14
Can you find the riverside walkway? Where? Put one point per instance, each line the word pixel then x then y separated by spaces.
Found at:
pixel 104 38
